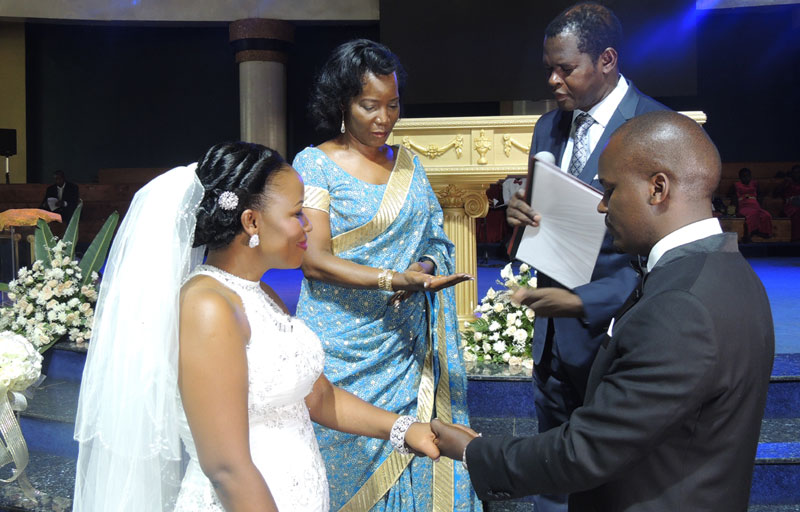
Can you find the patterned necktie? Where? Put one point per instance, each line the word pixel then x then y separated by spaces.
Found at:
pixel 580 148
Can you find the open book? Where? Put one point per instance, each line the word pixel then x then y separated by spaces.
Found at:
pixel 567 241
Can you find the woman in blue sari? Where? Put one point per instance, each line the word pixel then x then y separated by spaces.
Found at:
pixel 377 289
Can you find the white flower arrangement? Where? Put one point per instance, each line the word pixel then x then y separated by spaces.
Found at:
pixel 20 362
pixel 51 301
pixel 502 331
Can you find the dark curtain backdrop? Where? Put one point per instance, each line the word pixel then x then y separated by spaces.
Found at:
pixel 114 95
pixel 107 96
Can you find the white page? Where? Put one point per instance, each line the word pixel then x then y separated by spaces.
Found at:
pixel 566 243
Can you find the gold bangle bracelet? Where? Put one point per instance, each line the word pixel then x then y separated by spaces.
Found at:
pixel 385 279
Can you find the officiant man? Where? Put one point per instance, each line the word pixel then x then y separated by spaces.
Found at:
pixel 581 56
pixel 62 197
pixel 676 394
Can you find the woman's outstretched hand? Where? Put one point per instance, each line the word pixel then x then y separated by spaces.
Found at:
pixel 421 440
pixel 411 281
pixel 414 281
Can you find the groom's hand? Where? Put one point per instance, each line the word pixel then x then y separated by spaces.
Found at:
pixel 422 441
pixel 452 439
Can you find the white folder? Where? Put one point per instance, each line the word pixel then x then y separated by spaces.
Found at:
pixel 567 241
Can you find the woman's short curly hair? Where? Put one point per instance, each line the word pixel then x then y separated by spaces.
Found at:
pixel 342 78
pixel 241 168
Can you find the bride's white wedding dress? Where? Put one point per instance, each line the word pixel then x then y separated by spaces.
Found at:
pixel 284 360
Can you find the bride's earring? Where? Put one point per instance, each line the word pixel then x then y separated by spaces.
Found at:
pixel 342 128
pixel 254 241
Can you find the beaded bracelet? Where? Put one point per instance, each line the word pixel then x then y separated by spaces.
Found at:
pixel 397 436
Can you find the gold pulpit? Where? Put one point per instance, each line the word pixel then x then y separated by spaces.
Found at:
pixel 462 156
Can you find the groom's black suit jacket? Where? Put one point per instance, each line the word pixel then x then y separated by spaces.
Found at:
pixel 674 400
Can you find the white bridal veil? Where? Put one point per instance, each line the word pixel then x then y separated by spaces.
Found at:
pixel 126 423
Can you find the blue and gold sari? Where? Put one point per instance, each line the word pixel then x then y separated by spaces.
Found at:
pixel 405 360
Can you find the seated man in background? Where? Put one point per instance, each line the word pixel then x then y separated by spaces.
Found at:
pixel 676 393
pixel 62 197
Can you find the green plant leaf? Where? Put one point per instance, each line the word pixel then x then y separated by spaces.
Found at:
pixel 3 287
pixel 43 243
pixel 480 325
pixel 98 249
pixel 71 234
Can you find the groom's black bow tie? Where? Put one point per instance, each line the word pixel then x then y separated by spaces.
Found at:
pixel 640 266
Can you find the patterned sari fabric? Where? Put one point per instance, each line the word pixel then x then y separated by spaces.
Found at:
pixel 405 360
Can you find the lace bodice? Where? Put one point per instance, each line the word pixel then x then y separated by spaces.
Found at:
pixel 284 360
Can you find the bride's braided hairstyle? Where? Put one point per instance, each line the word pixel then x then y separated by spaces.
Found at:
pixel 241 168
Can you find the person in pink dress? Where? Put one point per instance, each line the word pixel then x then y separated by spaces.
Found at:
pixel 758 220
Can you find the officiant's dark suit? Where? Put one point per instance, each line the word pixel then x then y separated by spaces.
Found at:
pixel 564 344
pixel 676 393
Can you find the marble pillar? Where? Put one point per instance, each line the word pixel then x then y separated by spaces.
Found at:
pixel 262 47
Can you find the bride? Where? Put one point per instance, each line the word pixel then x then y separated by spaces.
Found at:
pixel 208 355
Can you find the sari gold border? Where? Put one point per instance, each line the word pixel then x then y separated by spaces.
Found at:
pixel 393 199
pixel 379 483
pixel 443 479
pixel 317 198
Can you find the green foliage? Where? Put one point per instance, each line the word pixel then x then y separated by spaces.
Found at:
pixel 96 253
pixel 43 243
pixel 71 234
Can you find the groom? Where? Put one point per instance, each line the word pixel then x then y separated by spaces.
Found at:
pixel 676 393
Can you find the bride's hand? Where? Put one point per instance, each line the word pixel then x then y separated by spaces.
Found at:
pixel 421 440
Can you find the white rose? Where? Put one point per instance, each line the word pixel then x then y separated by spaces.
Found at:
pixel 518 322
pixel 486 347
pixel 491 294
pixel 494 337
pixel 510 318
pixel 529 313
pixel 507 273
pixel 498 308
pixel 521 335
pixel 478 336
pixel 524 267
pixel 510 330
pixel 527 363
pixel 485 308
pixel 466 324
pixel 506 356
pixel 494 326
pixel 499 346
